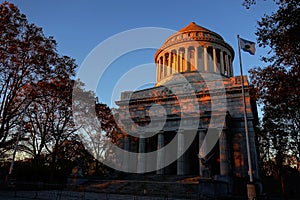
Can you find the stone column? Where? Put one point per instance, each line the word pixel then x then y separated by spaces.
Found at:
pixel 160 154
pixel 169 67
pixel 231 68
pixel 176 61
pixel 173 65
pixel 159 70
pixel 141 156
pixel 163 67
pixel 222 62
pixel 227 64
pixel 202 134
pixel 185 59
pixel 126 148
pixel 215 60
pixel 180 61
pixel 196 58
pixel 224 157
pixel 201 60
pixel 180 153
pixel 166 65
pixel 157 66
pixel 205 58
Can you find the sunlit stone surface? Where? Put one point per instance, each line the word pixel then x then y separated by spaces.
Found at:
pixel 200 58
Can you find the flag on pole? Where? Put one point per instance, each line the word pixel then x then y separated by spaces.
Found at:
pixel 247 46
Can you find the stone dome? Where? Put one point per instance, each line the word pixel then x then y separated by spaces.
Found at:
pixel 193 48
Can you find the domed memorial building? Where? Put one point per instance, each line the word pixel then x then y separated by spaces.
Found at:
pixel 192 122
pixel 193 48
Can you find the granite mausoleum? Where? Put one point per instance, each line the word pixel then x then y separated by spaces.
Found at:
pixel 198 58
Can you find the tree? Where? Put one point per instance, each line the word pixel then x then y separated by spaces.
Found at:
pixel 280 32
pixel 27 57
pixel 72 153
pixel 98 128
pixel 278 85
pixel 249 3
pixel 48 119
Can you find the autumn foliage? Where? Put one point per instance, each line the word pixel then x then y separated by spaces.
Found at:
pixel 36 85
pixel 278 90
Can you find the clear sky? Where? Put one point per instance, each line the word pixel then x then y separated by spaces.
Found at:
pixel 80 25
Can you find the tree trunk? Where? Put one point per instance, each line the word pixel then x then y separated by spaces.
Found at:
pixel 53 164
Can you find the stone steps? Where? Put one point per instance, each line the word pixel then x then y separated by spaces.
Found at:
pixel 167 186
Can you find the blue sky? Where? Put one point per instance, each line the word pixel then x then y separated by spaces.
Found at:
pixel 79 26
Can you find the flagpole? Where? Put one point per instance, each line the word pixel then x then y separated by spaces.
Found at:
pixel 250 172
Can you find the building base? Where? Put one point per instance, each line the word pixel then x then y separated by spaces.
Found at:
pixel 218 186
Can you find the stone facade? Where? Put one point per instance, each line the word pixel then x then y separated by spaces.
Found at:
pixel 198 60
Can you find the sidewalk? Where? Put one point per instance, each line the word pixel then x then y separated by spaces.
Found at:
pixel 70 195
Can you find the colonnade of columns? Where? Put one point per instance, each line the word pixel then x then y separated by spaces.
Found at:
pixel 182 162
pixel 187 59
